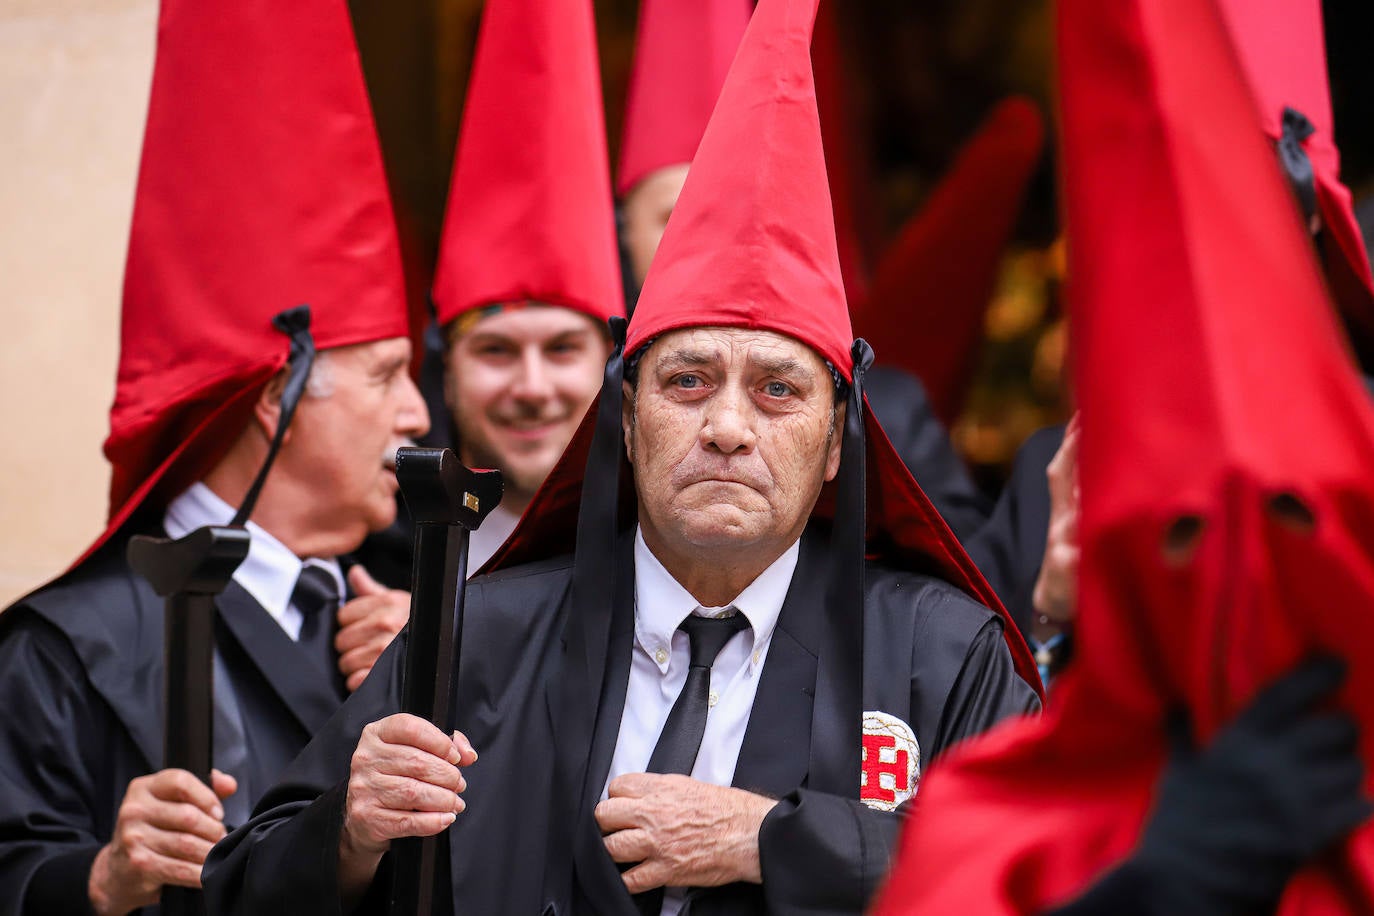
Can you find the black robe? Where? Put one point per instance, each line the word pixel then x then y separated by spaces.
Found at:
pixel 1010 548
pixel 81 678
pixel 933 658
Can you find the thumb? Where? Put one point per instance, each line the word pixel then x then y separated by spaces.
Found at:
pixel 223 784
pixel 363 583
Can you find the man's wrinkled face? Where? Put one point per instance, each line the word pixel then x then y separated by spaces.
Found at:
pixel 518 382
pixel 731 433
pixel 646 209
pixel 342 440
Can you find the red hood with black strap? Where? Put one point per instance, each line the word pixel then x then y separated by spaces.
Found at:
pixel 260 189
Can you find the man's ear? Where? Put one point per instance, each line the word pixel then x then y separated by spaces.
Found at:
pixel 832 458
pixel 627 418
pixel 267 409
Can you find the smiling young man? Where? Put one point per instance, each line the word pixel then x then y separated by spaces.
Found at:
pixel 708 699
pixel 216 355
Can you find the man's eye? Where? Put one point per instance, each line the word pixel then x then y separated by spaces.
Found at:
pixel 688 381
pixel 778 389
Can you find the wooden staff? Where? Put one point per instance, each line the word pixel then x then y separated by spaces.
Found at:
pixel 448 501
pixel 188 573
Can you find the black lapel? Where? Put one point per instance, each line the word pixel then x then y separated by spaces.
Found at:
pixel 598 877
pixel 113 620
pixel 293 675
pixel 773 760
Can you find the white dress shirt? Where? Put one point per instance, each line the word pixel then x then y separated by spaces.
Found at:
pixel 659 662
pixel 270 570
pixel 486 540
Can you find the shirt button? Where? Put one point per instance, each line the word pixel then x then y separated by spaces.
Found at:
pixel 661 656
pixel 712 699
pixel 756 658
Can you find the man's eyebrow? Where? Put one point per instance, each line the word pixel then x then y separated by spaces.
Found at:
pixel 781 366
pixel 686 357
pixel 395 364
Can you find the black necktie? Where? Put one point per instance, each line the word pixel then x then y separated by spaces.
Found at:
pixel 676 751
pixel 316 596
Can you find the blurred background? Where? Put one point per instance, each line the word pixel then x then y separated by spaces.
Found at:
pixel 916 80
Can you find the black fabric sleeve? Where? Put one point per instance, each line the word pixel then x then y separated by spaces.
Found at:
pixel 987 690
pixel 286 859
pixel 1010 547
pixel 49 779
pixel 822 854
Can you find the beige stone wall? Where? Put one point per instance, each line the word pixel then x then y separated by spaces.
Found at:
pixel 74 78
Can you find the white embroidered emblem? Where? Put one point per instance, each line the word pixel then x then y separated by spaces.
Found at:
pixel 891 762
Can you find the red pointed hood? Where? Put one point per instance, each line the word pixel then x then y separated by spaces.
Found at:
pixel 1282 49
pixel 682 52
pixel 1219 409
pixel 529 208
pixel 752 245
pixel 260 189
pixel 932 287
pixel 752 239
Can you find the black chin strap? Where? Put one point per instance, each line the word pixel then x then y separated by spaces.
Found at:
pixel 295 324
pixel 1296 163
pixel 837 725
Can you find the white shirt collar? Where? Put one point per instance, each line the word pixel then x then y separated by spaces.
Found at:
pixel 269 572
pixel 661 603
pixel 486 540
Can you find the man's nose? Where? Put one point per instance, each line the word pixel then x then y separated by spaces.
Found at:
pixel 728 422
pixel 412 415
pixel 533 382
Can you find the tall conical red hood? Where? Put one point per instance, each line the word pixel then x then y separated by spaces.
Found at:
pixel 751 244
pixel 932 287
pixel 1221 416
pixel 261 188
pixel 1282 49
pixel 682 52
pixel 530 213
pixel 752 240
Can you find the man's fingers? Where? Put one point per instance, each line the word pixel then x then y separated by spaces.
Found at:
pixel 411 763
pixel 363 583
pixel 631 845
pixel 223 784
pixel 356 678
pixel 181 817
pixel 166 870
pixel 635 785
pixel 181 786
pixel 402 793
pixel 368 612
pixel 364 656
pixel 395 824
pixel 183 847
pixel 467 755
pixel 412 731
pixel 615 814
pixel 645 877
